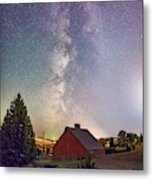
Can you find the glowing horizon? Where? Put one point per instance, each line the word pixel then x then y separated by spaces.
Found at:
pixel 74 63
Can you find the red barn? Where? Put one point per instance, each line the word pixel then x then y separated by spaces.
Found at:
pixel 77 143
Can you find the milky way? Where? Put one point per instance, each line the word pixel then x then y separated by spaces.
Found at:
pixel 74 62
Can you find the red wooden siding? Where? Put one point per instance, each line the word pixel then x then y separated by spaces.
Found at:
pixel 68 147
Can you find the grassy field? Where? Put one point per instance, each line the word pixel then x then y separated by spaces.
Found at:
pixel 125 161
pixel 58 163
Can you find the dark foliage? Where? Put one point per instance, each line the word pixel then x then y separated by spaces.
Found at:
pixel 17 136
pixel 88 163
pixel 122 133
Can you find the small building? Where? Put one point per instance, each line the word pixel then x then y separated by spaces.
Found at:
pixel 77 143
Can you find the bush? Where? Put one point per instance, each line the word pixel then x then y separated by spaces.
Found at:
pixel 88 163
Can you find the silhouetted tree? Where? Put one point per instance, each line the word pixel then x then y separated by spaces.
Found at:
pixel 123 140
pixel 122 133
pixel 132 137
pixel 17 136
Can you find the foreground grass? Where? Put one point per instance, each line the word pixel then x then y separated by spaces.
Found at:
pixel 88 163
pixel 58 163
pixel 132 160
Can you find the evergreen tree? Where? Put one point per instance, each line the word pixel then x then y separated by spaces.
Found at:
pixel 17 136
pixel 122 133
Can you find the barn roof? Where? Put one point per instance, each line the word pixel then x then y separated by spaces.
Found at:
pixel 85 138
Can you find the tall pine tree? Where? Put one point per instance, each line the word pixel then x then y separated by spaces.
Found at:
pixel 17 136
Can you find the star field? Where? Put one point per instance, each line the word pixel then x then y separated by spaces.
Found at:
pixel 74 62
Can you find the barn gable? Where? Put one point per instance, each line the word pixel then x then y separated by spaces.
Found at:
pixel 86 139
pixel 68 147
pixel 77 143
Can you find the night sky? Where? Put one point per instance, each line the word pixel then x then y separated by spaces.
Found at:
pixel 74 62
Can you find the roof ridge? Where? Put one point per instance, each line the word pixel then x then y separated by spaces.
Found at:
pixel 86 138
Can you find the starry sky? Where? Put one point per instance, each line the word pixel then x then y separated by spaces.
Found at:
pixel 74 62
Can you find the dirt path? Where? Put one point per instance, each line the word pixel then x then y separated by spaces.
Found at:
pixel 128 160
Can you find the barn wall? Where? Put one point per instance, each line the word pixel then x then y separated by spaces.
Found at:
pixel 68 147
